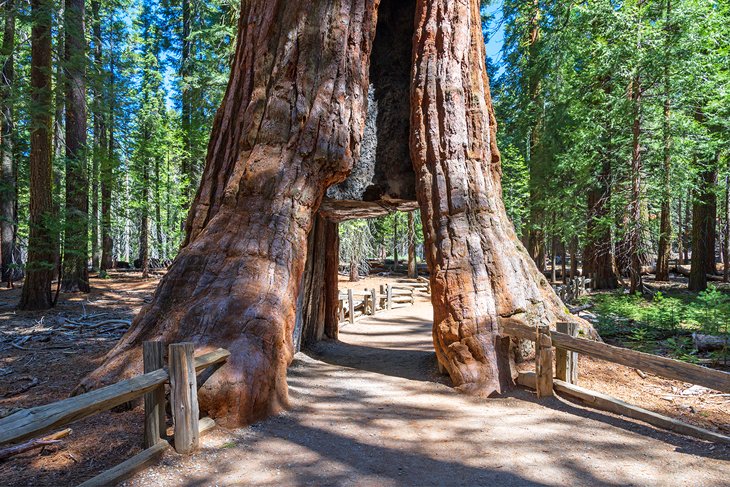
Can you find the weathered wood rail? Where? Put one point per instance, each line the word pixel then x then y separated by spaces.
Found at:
pixel 35 421
pixel 354 304
pixel 568 346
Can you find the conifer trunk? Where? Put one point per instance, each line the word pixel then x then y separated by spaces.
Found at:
pixel 481 274
pixel 412 269
pixel 75 248
pixel 8 189
pixel 36 292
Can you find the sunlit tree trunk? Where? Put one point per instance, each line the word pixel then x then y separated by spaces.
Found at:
pixel 290 125
pixel 412 269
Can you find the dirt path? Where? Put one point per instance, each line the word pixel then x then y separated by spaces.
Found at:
pixel 372 411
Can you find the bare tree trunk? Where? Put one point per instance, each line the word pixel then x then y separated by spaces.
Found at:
pixel 680 233
pixel 634 210
pixel 412 269
pixel 36 292
pixel 107 173
pixel 466 227
pixel 665 224
pixel 726 230
pixel 354 273
pixel 75 248
pixel 395 242
pixel 598 257
pixel 703 224
pixel 144 224
pixel 100 143
pixel 573 257
pixel 186 105
pixel 290 125
pixel 8 192
pixel 536 235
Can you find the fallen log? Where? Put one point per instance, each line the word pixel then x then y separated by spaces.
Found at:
pixel 36 443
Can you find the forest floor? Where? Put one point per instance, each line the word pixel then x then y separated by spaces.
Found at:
pixel 369 410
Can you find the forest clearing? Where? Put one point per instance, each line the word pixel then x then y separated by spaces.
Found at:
pixel 365 242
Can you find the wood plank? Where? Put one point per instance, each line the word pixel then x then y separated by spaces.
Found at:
pixel 137 462
pixel 154 401
pixel 608 403
pixel 184 397
pixel 31 422
pixel 544 362
pixel 566 362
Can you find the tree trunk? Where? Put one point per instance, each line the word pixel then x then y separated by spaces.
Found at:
pixel 598 257
pixel 75 248
pixel 481 274
pixel 395 242
pixel 573 257
pixel 635 224
pixel 318 294
pixel 8 191
pixel 107 174
pixel 536 235
pixel 144 224
pixel 100 144
pixel 290 125
pixel 36 292
pixel 412 269
pixel 354 272
pixel 680 233
pixel 186 105
pixel 665 223
pixel 726 229
pixel 703 225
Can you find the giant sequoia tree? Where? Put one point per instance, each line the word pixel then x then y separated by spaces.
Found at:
pixel 290 125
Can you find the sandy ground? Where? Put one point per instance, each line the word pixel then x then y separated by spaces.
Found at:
pixel 372 411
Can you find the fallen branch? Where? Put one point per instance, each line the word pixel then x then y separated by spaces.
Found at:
pixel 38 442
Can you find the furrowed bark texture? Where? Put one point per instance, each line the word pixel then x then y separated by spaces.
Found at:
pixel 36 293
pixel 289 126
pixel 480 272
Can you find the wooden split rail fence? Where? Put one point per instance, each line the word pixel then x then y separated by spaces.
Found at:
pixel 354 304
pixel 180 375
pixel 567 347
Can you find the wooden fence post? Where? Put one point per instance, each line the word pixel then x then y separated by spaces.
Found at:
pixel 351 305
pixel 374 297
pixel 184 397
pixel 566 363
pixel 544 362
pixel 389 296
pixel 154 401
pixel 413 295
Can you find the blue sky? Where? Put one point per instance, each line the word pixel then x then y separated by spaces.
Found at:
pixel 496 32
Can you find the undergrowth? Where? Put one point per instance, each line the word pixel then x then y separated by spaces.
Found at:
pixel 664 323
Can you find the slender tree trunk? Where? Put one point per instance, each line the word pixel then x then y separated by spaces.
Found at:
pixel 8 191
pixel 573 257
pixel 687 226
pixel 665 225
pixel 144 225
pixel 563 270
pixel 186 108
pixel 107 174
pixel 58 157
pixel 635 220
pixel 395 242
pixel 726 230
pixel 75 248
pixel 536 236
pixel 680 233
pixel 158 211
pixel 36 292
pixel 481 274
pixel 553 261
pixel 290 125
pixel 412 269
pixel 100 143
pixel 354 273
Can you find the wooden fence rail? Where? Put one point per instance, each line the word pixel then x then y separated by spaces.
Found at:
pixel 354 303
pixel 35 421
pixel 568 346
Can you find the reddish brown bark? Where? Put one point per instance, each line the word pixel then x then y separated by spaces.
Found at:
pixel 41 242
pixel 480 272
pixel 290 124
